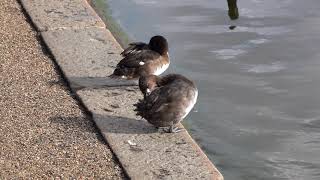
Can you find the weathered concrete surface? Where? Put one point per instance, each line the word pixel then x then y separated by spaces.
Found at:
pixel 87 55
pixel 86 52
pixel 61 14
pixel 144 152
pixel 78 83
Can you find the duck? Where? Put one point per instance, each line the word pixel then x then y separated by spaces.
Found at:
pixel 144 59
pixel 167 100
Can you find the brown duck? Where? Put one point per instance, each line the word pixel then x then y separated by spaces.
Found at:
pixel 144 59
pixel 167 100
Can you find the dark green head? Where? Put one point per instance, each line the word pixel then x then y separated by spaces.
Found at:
pixel 159 44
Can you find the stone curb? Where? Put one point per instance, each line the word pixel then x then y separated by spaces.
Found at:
pixel 53 14
pixel 86 52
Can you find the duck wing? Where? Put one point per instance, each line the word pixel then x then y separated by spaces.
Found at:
pixel 134 48
pixel 150 104
pixel 164 107
pixel 138 59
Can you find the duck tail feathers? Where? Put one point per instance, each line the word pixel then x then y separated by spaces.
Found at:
pixel 140 108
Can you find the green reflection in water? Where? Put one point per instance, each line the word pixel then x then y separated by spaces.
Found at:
pixel 233 9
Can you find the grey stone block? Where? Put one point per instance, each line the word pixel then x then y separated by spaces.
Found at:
pixel 61 14
pixel 86 56
pixel 99 82
pixel 144 152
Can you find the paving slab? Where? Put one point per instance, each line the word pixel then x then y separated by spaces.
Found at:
pixel 78 83
pixel 86 56
pixel 144 152
pixel 61 14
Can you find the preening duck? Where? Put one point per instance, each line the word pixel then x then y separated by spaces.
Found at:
pixel 144 59
pixel 167 100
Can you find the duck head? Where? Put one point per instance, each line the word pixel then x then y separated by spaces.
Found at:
pixel 159 44
pixel 148 83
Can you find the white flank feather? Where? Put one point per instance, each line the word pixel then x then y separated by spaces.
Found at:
pixel 141 63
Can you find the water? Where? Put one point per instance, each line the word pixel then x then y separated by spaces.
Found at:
pixel 258 111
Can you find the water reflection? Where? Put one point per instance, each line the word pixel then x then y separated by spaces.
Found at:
pixel 233 9
pixel 258 109
pixel 232 27
pixel 233 12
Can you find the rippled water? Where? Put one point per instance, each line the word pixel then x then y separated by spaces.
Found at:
pixel 258 112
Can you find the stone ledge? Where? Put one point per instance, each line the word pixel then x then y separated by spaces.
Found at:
pixel 86 56
pixel 62 14
pixel 144 152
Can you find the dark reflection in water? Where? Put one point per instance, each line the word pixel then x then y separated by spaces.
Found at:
pixel 233 12
pixel 233 9
pixel 232 27
pixel 257 115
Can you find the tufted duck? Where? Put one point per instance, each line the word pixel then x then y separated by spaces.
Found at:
pixel 144 59
pixel 167 100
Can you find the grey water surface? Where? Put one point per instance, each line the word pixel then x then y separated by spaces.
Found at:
pixel 258 111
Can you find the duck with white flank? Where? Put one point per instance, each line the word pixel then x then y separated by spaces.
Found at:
pixel 144 59
pixel 167 100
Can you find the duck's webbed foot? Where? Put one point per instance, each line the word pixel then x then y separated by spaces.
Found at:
pixel 173 129
pixel 170 129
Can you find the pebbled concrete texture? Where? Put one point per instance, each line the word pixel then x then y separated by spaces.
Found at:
pixel 44 133
pixel 61 14
pixel 87 55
